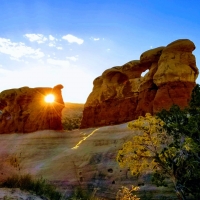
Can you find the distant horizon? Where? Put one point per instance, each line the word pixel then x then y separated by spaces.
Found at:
pixel 45 43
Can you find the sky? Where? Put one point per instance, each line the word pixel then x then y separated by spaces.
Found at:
pixel 71 42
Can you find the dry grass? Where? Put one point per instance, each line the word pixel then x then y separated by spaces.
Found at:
pixel 39 186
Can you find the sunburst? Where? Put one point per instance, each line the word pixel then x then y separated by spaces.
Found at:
pixel 49 98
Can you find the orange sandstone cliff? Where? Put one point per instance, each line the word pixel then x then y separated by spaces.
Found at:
pixel 24 110
pixel 121 94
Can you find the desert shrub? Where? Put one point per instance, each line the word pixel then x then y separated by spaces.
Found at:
pixel 71 123
pixel 127 194
pixel 39 187
pixel 72 115
pixel 147 196
pixel 79 193
pixel 84 194
pixel 11 182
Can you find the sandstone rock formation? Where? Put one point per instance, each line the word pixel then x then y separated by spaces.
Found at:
pixel 24 110
pixel 121 94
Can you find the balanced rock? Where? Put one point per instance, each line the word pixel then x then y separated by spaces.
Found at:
pixel 24 110
pixel 121 94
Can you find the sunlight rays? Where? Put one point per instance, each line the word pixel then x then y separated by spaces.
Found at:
pixel 77 145
pixel 50 98
pixel 50 110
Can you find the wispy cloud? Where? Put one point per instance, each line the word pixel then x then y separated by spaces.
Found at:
pixel 95 39
pixel 51 44
pixel 73 39
pixel 59 48
pixel 18 50
pixel 62 63
pixel 55 65
pixel 39 38
pixel 73 58
pixel 51 38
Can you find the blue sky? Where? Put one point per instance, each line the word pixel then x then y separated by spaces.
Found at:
pixel 70 42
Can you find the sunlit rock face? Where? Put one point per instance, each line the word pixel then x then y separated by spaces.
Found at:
pixel 176 75
pixel 121 94
pixel 24 110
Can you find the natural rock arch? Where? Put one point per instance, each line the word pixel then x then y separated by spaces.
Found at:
pixel 121 94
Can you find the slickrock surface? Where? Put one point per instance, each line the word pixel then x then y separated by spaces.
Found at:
pixel 121 94
pixel 24 110
pixel 84 158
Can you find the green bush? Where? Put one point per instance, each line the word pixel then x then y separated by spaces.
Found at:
pixel 79 193
pixel 40 186
pixel 84 194
pixel 71 123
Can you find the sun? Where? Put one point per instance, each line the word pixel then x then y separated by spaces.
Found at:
pixel 49 98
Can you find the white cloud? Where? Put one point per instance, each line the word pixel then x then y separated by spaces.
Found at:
pixel 59 48
pixel 41 61
pixel 18 50
pixel 51 38
pixel 73 39
pixel 95 39
pixel 37 54
pixel 17 59
pixel 63 63
pixel 39 38
pixel 108 49
pixel 51 44
pixel 73 58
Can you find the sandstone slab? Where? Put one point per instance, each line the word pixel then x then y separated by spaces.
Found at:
pixel 80 158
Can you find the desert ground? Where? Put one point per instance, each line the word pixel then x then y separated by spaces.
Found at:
pixel 81 157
